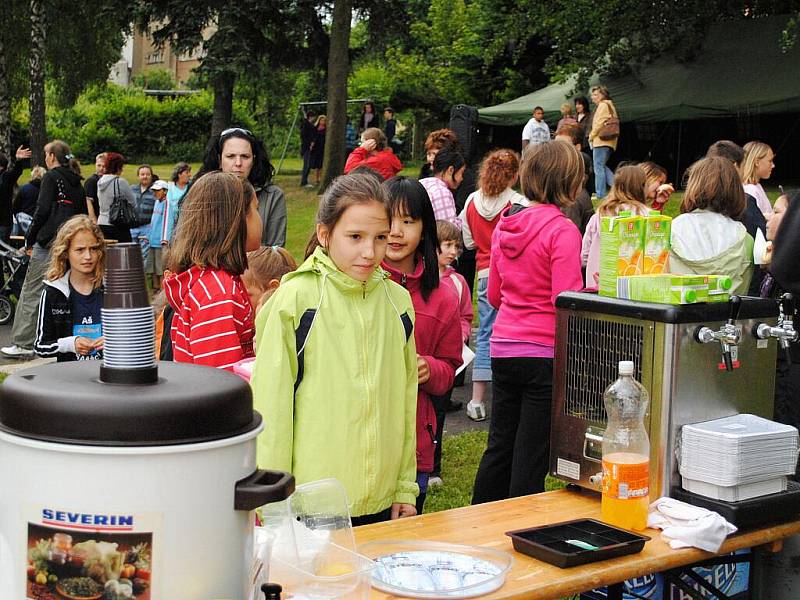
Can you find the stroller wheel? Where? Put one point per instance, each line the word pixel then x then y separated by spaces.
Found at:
pixel 6 310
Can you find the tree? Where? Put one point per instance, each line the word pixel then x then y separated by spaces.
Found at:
pixel 338 68
pixel 38 130
pixel 234 37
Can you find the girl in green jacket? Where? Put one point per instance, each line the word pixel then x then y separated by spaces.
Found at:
pixel 335 376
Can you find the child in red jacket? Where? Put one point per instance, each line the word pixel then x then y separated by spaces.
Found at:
pixel 411 259
pixel 535 255
pixel 374 154
pixel 219 223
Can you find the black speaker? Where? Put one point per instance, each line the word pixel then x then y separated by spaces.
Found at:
pixel 464 121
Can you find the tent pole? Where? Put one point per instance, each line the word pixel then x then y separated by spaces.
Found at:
pixel 288 137
pixel 678 157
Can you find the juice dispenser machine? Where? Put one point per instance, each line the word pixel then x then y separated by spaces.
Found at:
pixel 698 361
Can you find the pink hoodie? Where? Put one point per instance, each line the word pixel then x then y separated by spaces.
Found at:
pixel 536 255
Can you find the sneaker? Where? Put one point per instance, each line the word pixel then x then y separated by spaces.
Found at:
pixel 476 412
pixel 309 185
pixel 435 482
pixel 16 352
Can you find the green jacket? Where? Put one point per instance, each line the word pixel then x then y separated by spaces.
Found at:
pixel 353 416
pixel 708 243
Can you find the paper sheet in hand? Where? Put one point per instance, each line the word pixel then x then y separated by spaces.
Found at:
pixel 467 356
pixel 759 247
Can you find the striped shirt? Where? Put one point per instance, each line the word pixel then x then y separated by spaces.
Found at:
pixel 214 321
pixel 444 205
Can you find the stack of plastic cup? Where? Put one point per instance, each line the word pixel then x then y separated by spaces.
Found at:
pixel 128 321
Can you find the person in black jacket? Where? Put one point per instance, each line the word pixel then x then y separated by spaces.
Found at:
pixel 8 180
pixel 90 185
pixel 60 198
pixel 25 201
pixel 69 326
pixel 307 133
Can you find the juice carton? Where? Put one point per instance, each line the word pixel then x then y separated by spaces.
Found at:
pixel 621 247
pixel 669 288
pixel 719 288
pixel 656 243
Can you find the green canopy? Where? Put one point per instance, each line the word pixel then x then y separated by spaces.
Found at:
pixel 740 69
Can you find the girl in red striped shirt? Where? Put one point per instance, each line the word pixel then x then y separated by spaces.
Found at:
pixel 219 223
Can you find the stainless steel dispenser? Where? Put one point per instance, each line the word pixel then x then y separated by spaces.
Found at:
pixel 698 361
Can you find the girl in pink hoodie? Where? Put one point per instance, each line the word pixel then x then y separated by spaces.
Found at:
pixel 411 259
pixel 535 255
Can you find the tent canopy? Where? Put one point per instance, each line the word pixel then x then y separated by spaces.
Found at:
pixel 740 69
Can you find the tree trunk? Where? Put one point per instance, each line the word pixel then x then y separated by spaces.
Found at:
pixel 338 68
pixel 37 114
pixel 5 105
pixel 223 102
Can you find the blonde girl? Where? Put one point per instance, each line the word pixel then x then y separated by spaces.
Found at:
pixel 69 325
pixel 265 267
pixel 657 191
pixel 336 372
pixel 758 163
pixel 627 193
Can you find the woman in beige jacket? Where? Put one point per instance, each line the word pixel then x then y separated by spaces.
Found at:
pixel 602 149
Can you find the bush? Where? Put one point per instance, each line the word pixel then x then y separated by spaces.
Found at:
pixel 125 120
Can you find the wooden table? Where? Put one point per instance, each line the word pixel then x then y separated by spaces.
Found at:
pixel 486 524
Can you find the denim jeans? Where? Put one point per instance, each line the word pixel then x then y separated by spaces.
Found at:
pixel 141 234
pixel 306 168
pixel 482 367
pixel 517 456
pixel 603 176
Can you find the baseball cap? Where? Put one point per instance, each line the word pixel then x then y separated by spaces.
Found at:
pixel 160 185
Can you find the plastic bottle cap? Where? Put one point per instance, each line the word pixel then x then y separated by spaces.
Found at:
pixel 691 296
pixel 626 367
pixel 725 283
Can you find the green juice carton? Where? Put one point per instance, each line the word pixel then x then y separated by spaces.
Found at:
pixel 621 247
pixel 719 288
pixel 655 257
pixel 668 288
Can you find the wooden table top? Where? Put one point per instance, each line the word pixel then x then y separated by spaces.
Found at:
pixel 486 524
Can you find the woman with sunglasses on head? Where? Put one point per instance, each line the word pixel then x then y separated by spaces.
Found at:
pixel 238 151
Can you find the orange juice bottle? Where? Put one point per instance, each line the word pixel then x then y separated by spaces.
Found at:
pixel 626 453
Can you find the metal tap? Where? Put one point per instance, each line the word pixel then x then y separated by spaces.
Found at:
pixel 785 332
pixel 728 335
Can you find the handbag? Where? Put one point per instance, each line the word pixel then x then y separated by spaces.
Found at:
pixel 121 213
pixel 609 129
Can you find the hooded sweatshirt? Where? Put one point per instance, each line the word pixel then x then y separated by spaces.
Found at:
pixel 106 188
pixel 536 255
pixel 61 197
pixel 709 243
pixel 213 322
pixel 351 414
pixel 480 217
pixel 437 331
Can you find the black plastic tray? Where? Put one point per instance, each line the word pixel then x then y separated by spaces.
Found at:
pixel 773 508
pixel 549 543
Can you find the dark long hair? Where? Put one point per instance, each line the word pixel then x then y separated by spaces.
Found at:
pixel 262 172
pixel 408 197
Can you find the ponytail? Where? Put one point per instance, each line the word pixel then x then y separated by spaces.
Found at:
pixel 64 156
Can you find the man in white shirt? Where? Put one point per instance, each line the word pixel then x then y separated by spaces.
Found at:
pixel 536 130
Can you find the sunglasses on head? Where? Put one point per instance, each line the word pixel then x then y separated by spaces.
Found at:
pixel 232 130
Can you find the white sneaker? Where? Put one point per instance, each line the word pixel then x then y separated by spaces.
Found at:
pixel 435 482
pixel 16 352
pixel 476 412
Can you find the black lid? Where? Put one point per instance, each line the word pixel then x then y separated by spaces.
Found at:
pixel 67 403
pixel 751 308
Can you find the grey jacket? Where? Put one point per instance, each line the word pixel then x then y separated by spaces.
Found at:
pixel 272 208
pixel 105 194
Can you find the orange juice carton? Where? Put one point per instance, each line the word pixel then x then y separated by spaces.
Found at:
pixel 669 288
pixel 719 288
pixel 621 249
pixel 655 257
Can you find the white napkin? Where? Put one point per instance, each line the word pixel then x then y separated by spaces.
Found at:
pixel 684 525
pixel 467 356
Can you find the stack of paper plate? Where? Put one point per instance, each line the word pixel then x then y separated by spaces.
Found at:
pixel 738 457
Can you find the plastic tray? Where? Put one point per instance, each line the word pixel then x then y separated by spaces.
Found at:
pixel 424 569
pixel 773 508
pixel 578 542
